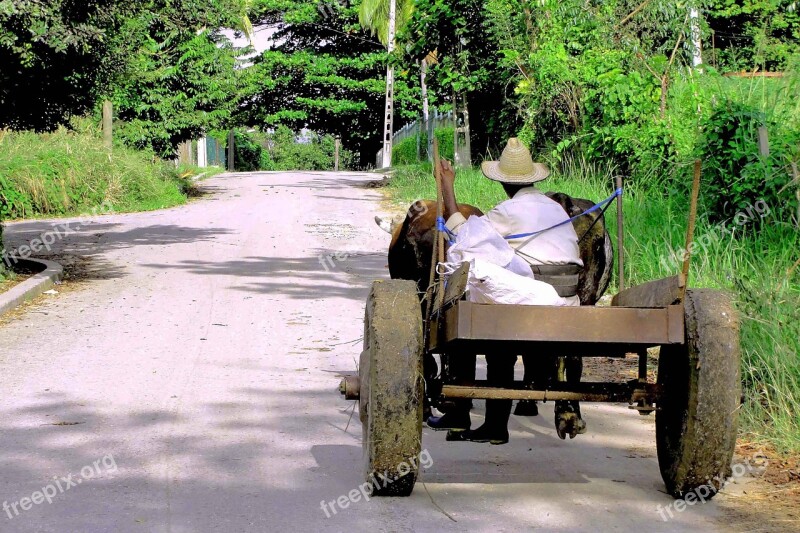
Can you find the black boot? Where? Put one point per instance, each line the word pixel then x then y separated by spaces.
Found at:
pixel 456 419
pixel 486 433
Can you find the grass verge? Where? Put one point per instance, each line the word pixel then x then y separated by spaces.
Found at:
pixel 67 173
pixel 754 261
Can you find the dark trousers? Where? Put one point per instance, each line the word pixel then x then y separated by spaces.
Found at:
pixel 499 373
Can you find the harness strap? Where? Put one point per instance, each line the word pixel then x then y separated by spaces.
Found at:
pixel 441 225
pixel 563 278
pixel 595 207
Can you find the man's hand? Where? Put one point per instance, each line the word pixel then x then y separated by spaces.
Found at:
pixel 448 176
pixel 447 173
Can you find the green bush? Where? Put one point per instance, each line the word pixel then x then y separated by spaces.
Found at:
pixel 283 149
pixel 736 174
pixel 248 154
pixel 68 173
pixel 405 152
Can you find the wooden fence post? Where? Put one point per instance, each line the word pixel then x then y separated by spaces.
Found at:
pixel 108 124
pixel 231 141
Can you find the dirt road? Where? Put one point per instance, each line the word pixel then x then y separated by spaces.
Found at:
pixel 188 383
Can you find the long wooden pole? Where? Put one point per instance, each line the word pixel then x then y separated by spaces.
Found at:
pixel 687 254
pixel 439 215
pixel 620 241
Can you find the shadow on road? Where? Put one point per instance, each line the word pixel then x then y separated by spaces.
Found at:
pixel 324 275
pixel 202 476
pixel 80 249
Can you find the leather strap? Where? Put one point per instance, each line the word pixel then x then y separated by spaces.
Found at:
pixel 563 278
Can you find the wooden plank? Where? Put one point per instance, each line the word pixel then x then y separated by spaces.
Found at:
pixel 586 392
pixel 455 288
pixel 468 321
pixel 659 293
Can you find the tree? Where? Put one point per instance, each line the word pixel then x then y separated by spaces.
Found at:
pixel 373 15
pixel 467 69
pixel 55 58
pixel 180 79
pixel 324 73
pixel 750 34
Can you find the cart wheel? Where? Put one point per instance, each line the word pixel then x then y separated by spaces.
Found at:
pixel 696 421
pixel 391 388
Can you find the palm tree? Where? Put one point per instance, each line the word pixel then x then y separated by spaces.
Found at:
pixel 373 15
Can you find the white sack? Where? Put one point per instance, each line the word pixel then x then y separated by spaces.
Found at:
pixel 491 284
pixel 477 239
pixel 497 275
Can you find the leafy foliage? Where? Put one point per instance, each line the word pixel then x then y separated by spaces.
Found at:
pixel 738 175
pixel 374 16
pixel 467 63
pixel 180 80
pixel 324 73
pixel 54 59
pixel 162 62
pixel 283 149
pixel 751 34
pixel 405 152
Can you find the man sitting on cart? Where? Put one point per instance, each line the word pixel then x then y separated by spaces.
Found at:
pixel 538 230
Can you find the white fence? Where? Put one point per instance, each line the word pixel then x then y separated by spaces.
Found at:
pixel 414 129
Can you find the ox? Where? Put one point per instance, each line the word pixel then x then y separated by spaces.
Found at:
pixel 410 258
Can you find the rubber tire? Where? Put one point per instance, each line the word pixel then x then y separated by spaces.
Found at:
pixel 696 423
pixel 391 388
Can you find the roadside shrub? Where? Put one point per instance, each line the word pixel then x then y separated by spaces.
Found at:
pixel 736 174
pixel 247 153
pixel 66 173
pixel 405 152
pixel 284 149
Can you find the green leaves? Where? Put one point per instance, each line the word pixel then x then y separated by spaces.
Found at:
pixel 325 74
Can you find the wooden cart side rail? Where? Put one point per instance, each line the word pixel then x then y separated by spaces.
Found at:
pixel 466 323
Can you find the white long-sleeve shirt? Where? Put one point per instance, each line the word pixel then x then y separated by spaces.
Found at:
pixel 529 211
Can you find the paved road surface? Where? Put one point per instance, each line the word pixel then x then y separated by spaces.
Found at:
pixel 198 364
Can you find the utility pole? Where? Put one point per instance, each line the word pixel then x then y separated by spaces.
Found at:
pixel 423 72
pixel 697 45
pixel 389 115
pixel 337 143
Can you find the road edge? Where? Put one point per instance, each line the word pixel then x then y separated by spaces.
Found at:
pixel 32 287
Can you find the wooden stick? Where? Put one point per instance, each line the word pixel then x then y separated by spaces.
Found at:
pixel 792 269
pixel 438 257
pixel 687 254
pixel 620 241
pixel 434 251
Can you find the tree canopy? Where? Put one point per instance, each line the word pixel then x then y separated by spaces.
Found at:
pixel 324 73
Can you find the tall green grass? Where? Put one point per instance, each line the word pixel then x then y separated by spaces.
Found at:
pixel 752 264
pixel 68 173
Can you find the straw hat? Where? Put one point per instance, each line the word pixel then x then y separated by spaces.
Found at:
pixel 515 165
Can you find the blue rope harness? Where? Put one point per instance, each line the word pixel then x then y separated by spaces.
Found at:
pixel 600 205
pixel 441 225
